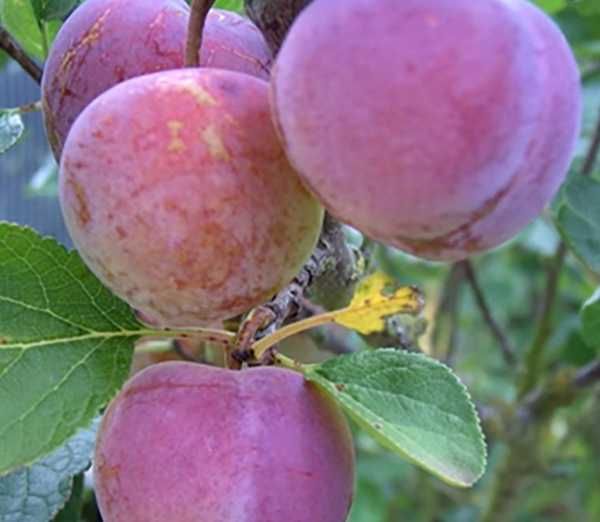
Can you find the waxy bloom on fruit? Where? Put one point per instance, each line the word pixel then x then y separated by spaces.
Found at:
pixel 441 127
pixel 179 197
pixel 191 443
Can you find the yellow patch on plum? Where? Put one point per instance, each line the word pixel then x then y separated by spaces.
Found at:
pixel 188 85
pixel 91 36
pixel 216 148
pixel 176 144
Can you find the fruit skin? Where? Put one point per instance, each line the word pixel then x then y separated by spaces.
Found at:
pixel 231 41
pixel 190 443
pixel 413 133
pixel 179 197
pixel 105 42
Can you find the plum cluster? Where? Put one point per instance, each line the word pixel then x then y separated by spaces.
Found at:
pixel 441 127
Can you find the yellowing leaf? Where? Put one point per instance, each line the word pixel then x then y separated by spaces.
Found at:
pixel 378 297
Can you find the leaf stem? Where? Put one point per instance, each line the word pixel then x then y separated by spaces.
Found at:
pixel 24 109
pixel 260 347
pixel 289 363
pixel 222 337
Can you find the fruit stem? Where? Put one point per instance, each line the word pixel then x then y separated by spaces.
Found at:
pixel 200 9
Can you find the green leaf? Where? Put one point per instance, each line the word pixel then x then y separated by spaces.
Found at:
pixel 231 5
pixel 578 219
pixel 590 320
pixel 411 404
pixel 46 10
pixel 11 129
pixel 18 18
pixel 551 6
pixel 65 345
pixel 39 492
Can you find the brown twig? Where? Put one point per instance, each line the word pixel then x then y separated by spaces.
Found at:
pixel 274 18
pixel 507 351
pixel 287 304
pixel 588 375
pixel 14 50
pixel 199 12
pixel 25 109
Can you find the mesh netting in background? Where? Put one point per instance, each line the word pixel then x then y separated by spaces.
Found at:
pixel 27 171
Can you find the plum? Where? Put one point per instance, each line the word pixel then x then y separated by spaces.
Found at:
pixel 441 127
pixel 179 196
pixel 105 42
pixel 188 442
pixel 233 42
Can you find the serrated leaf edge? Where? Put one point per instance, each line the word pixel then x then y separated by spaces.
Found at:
pixel 312 369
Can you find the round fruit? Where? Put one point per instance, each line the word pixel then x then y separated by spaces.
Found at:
pixel 442 129
pixel 105 42
pixel 188 443
pixel 179 197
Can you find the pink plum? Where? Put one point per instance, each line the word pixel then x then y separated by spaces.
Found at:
pixel 441 127
pixel 178 195
pixel 187 442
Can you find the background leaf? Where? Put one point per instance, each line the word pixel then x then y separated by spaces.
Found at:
pixel 590 320
pixel 579 219
pixel 411 404
pixel 38 493
pixel 71 357
pixel 19 19
pixel 11 129
pixel 46 10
